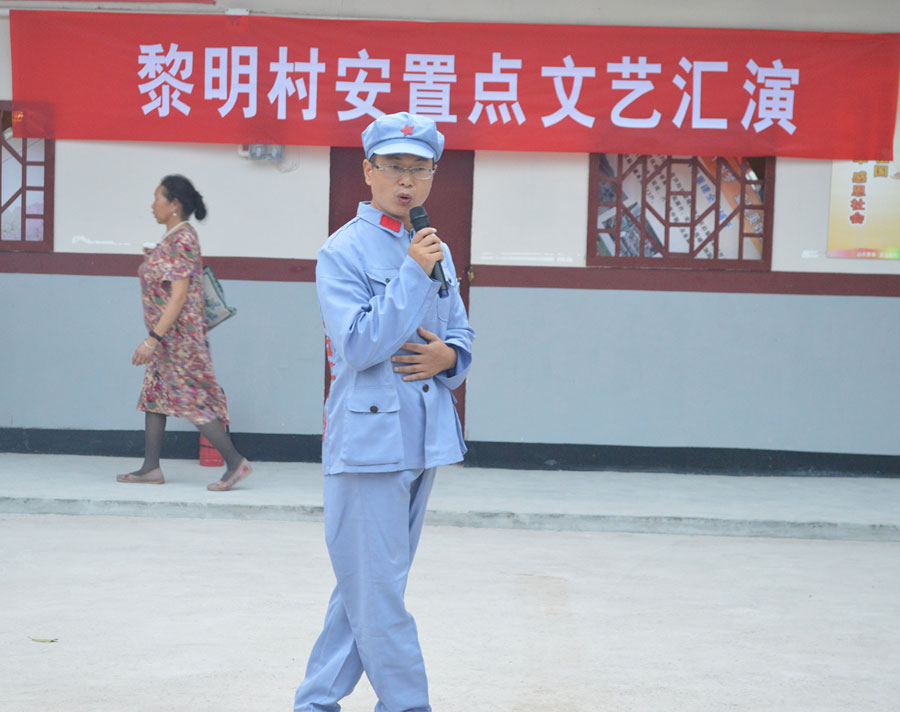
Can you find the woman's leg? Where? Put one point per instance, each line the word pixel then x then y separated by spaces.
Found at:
pixel 154 431
pixel 218 437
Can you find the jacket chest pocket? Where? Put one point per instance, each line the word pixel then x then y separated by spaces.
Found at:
pixel 372 434
pixel 379 279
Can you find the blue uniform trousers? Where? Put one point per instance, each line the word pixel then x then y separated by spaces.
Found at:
pixel 372 527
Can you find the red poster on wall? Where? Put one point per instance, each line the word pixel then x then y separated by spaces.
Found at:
pixel 247 79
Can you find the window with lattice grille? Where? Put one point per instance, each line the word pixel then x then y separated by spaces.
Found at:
pixel 26 188
pixel 680 211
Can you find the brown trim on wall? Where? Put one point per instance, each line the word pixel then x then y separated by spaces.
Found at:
pixel 265 269
pixel 70 263
pixel 261 269
pixel 862 285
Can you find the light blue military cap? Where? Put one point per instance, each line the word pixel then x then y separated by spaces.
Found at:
pixel 403 133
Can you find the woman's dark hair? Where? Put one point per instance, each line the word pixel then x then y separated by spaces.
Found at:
pixel 176 187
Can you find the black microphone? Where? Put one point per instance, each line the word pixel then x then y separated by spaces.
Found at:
pixel 419 218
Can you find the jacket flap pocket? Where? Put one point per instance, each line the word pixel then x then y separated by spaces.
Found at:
pixel 382 276
pixel 373 400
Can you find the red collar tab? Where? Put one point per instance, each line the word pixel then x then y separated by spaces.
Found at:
pixel 407 130
pixel 391 223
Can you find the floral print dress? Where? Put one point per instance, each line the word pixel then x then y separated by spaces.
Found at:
pixel 179 379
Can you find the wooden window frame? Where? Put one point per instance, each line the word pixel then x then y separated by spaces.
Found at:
pixel 48 163
pixel 679 260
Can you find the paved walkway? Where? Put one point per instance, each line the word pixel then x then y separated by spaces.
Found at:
pixel 807 507
pixel 537 599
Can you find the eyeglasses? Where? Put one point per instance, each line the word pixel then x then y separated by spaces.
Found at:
pixel 392 172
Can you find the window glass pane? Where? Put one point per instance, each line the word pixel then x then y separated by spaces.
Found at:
pixel 34 176
pixel 752 248
pixel 754 169
pixel 11 221
pixel 34 202
pixel 34 230
pixel 754 222
pixel 14 143
pixel 653 233
pixel 629 237
pixel 704 229
pixel 680 209
pixel 753 194
pixel 608 164
pixel 681 176
pixel 606 244
pixel 606 192
pixel 729 239
pixel 35 149
pixel 606 221
pixel 726 175
pixel 680 240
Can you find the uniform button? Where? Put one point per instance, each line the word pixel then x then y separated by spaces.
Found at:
pixel 387 280
pixel 425 388
pixel 373 408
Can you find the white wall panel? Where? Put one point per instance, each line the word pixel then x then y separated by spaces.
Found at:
pixel 269 359
pixel 5 60
pixel 530 208
pixel 256 209
pixel 682 369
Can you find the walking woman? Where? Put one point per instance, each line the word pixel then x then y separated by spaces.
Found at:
pixel 179 378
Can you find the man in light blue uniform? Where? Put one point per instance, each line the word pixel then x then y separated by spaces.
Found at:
pixel 396 349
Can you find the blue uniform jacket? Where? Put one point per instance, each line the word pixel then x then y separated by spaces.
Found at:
pixel 372 297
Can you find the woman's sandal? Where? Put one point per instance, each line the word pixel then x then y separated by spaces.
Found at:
pixel 151 477
pixel 240 473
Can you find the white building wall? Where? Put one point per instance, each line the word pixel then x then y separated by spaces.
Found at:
pixel 531 209
pixel 528 209
pixel 798 359
pixel 256 208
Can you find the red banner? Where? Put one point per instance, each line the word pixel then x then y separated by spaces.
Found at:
pixel 247 79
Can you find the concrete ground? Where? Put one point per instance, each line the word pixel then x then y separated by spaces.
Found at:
pixel 527 592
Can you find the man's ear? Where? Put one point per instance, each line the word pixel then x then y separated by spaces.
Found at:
pixel 367 170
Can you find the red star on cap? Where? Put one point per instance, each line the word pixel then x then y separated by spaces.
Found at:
pixel 407 130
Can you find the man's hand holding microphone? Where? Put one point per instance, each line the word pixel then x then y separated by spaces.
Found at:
pixel 434 356
pixel 425 248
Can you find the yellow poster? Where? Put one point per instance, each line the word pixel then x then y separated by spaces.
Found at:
pixel 865 207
